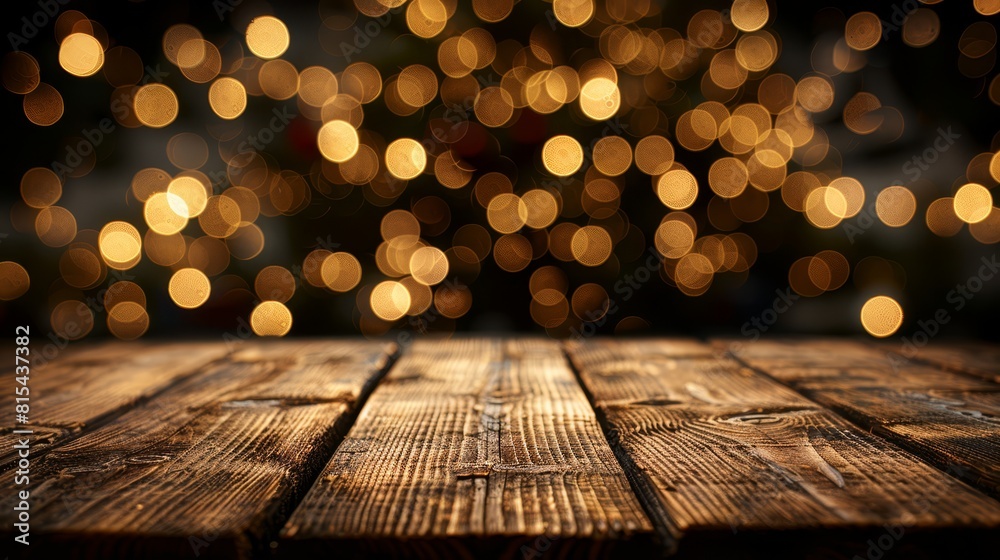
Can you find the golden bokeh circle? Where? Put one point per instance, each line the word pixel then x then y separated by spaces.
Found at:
pixel 155 105
pixel 973 203
pixel 405 158
pixel 562 155
pixel 881 316
pixel 895 206
pixel 863 31
pixel 271 318
pixel 428 265
pixel 43 105
pixel 274 283
pixel 72 319
pixel 128 320
pixel 677 189
pixel 40 187
pixel 749 15
pixel 81 54
pixel 390 300
pixel 591 245
pixel 120 245
pixel 338 141
pixel 227 97
pixel 161 213
pixel 14 280
pixel 340 271
pixel 189 288
pixel 612 155
pixel 600 98
pixel 267 37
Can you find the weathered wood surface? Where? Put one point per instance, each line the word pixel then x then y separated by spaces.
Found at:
pixel 212 466
pixel 949 419
pixel 980 360
pixel 481 448
pixel 718 450
pixel 86 385
pixel 472 448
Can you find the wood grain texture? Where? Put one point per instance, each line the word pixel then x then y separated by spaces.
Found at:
pixel 211 466
pixel 88 384
pixel 977 359
pixel 471 448
pixel 718 450
pixel 949 419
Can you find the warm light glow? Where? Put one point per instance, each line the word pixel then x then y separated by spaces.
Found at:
pixel 428 265
pixel 895 206
pixel 165 213
pixel 14 281
pixel 562 156
pixel 271 318
pixel 390 300
pixel 973 203
pixel 120 244
pixel 405 158
pixel 155 105
pixel 187 196
pixel 227 97
pixel 600 99
pixel 340 272
pixel 677 189
pixel 189 288
pixel 337 141
pixel 267 37
pixel 81 55
pixel 881 316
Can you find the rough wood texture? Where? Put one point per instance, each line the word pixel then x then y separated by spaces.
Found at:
pixel 980 360
pixel 211 466
pixel 471 441
pixel 89 384
pixel 949 419
pixel 717 450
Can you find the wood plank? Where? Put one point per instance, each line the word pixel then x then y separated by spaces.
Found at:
pixel 721 453
pixel 209 468
pixel 949 419
pixel 977 359
pixel 88 384
pixel 472 448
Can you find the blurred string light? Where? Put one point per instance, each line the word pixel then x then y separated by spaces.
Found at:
pixel 766 132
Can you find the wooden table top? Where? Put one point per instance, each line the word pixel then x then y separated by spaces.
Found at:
pixel 511 448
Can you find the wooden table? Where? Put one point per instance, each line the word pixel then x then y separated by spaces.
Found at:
pixel 513 448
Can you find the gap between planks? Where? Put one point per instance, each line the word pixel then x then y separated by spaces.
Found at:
pixel 712 444
pixel 944 415
pixel 225 456
pixel 118 393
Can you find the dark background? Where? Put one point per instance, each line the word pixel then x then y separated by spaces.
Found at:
pixel 924 84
